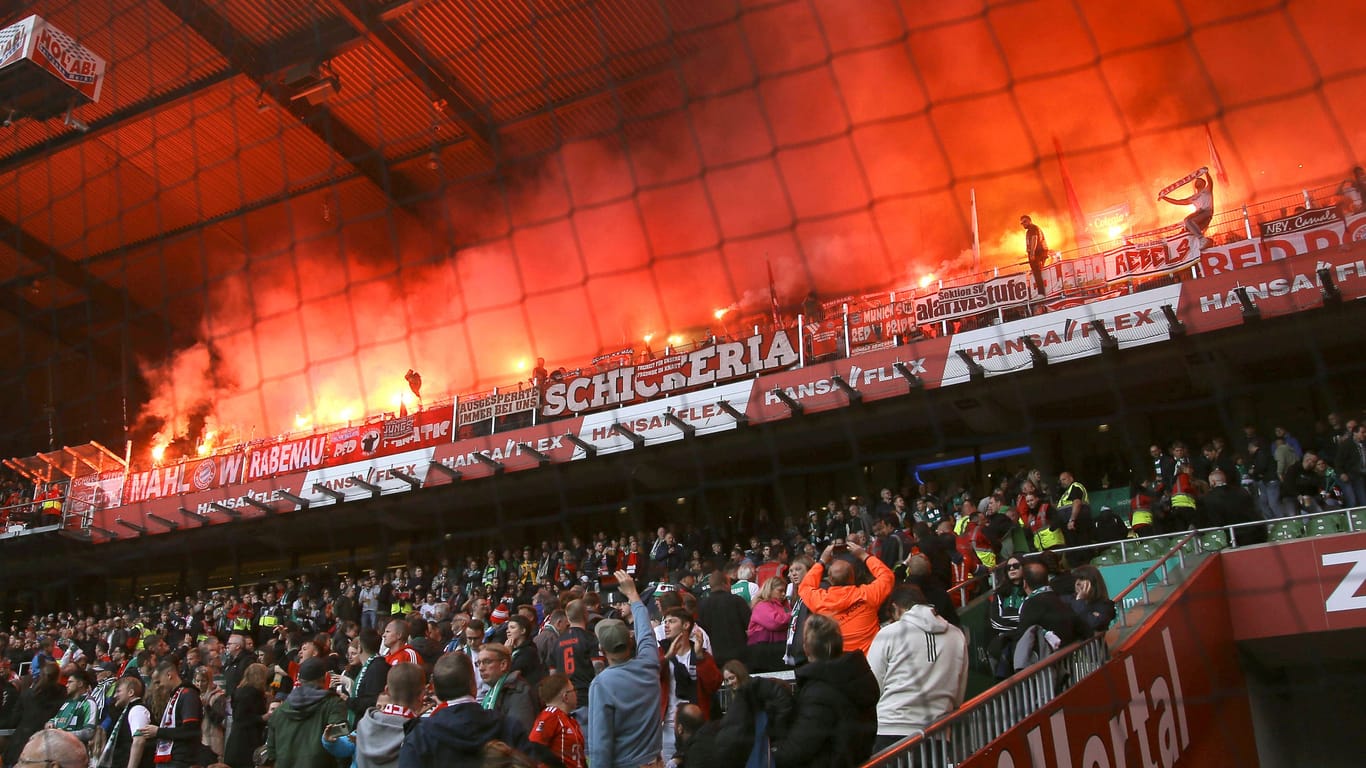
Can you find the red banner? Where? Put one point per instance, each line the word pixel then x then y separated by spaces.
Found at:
pixel 1173 694
pixel 1289 285
pixel 505 448
pixel 102 490
pixel 389 436
pixel 184 477
pixel 676 373
pixel 201 504
pixel 485 407
pixel 874 375
pixel 1312 585
pixel 1283 239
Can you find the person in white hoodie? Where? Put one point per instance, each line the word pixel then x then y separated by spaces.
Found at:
pixel 921 665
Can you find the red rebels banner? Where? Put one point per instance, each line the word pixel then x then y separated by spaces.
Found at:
pixel 185 477
pixel 1172 695
pixel 1278 288
pixel 392 435
pixel 1305 233
pixel 874 375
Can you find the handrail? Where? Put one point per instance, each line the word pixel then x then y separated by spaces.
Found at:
pixel 1231 528
pixel 967 730
pixel 1179 549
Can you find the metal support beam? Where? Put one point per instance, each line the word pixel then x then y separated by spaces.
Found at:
pixel 298 500
pixel 1108 342
pixel 740 419
pixel 909 375
pixel 541 458
pixel 1331 294
pixel 261 505
pixel 854 395
pixel 371 487
pixel 1175 327
pixel 134 527
pixel 791 402
pixel 337 496
pixel 170 524
pixel 589 450
pixel 975 371
pixel 412 482
pixel 225 509
pixel 1037 356
pixel 445 95
pixel 496 466
pixel 195 516
pixel 453 474
pixel 688 429
pixel 637 441
pixel 244 57
pixel 105 532
pixel 1250 310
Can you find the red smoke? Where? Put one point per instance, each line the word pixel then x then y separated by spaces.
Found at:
pixel 837 140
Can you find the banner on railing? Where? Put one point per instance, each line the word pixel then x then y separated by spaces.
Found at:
pixel 874 326
pixel 102 490
pixel 1311 231
pixel 184 477
pixel 477 409
pixel 1149 260
pixel 953 302
pixel 383 437
pixel 707 365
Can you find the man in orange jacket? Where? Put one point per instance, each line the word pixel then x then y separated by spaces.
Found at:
pixel 854 607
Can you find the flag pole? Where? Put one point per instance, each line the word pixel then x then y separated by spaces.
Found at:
pixel 976 235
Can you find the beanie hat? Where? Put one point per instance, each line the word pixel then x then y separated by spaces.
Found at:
pixel 500 614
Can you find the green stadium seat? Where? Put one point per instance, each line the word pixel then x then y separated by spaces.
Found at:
pixel 1286 530
pixel 1326 525
pixel 1214 541
pixel 1108 557
pixel 1358 517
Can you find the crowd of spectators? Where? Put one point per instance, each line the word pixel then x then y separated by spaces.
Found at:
pixel 635 649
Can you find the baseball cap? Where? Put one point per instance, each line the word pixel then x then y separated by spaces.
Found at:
pixel 612 635
pixel 312 670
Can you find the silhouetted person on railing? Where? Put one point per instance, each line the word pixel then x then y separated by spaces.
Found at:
pixel 1036 250
pixel 1203 200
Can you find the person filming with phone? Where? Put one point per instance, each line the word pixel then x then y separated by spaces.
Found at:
pixel 853 606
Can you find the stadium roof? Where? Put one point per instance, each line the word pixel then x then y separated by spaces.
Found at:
pixel 212 150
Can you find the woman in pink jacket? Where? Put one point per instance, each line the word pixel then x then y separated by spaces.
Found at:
pixel 768 626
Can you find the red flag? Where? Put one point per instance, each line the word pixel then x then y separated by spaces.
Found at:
pixel 1073 204
pixel 1215 161
pixel 772 293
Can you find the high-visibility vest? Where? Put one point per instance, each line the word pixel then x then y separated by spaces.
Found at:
pixel 269 620
pixel 1047 538
pixel 241 623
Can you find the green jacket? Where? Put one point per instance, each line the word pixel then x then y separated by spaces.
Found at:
pixel 296 728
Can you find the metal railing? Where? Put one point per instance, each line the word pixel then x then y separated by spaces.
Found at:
pixel 964 732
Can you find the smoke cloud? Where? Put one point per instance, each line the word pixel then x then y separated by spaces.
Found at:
pixel 838 143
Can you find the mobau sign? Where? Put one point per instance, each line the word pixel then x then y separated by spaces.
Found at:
pixel 708 365
pixel 1172 695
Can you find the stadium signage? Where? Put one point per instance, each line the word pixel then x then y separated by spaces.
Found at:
pixel 184 477
pixel 14 40
pixel 472 410
pixel 1331 232
pixel 964 300
pixel 1310 585
pixel 1310 219
pixel 675 373
pixel 1152 259
pixel 287 457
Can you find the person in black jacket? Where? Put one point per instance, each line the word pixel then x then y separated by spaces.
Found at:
pixel 249 705
pixel 725 617
pixel 454 734
pixel 1046 609
pixel 835 723
pixel 37 704
pixel 370 677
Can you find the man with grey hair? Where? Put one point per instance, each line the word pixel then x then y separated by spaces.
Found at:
pixel 54 748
